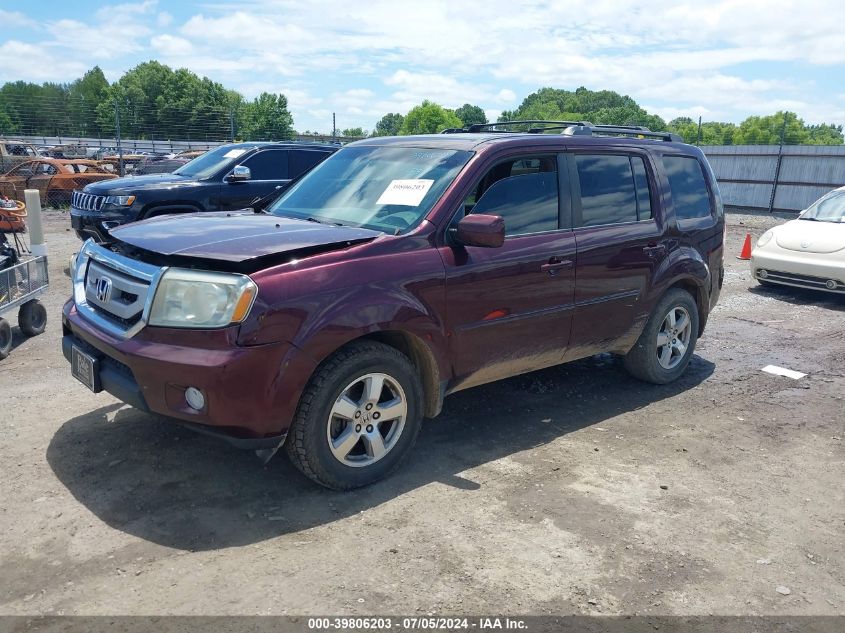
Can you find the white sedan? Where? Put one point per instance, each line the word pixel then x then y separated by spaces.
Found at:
pixel 808 252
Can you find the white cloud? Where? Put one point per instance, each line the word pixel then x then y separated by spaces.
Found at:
pixel 361 62
pixel 171 45
pixel 15 20
pixel 38 63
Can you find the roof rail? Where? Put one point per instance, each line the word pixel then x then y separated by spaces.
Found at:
pixel 481 127
pixel 569 128
pixel 631 130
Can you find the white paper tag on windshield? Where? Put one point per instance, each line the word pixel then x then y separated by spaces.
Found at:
pixel 408 193
pixel 233 153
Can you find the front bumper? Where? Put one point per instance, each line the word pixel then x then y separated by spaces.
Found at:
pixel 246 401
pixel 97 224
pixel 802 270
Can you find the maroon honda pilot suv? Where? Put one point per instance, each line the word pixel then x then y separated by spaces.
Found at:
pixel 398 271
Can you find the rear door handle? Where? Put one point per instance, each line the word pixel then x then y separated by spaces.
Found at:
pixel 555 264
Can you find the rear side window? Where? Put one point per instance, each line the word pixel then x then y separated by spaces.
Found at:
pixel 643 193
pixel 688 187
pixel 301 161
pixel 268 165
pixel 608 195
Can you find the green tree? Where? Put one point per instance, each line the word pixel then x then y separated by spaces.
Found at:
pixel 267 118
pixel 470 114
pixel 429 118
pixel 599 107
pixel 354 131
pixel 389 125
pixel 84 95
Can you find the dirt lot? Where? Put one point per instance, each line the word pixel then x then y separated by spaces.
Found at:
pixel 571 490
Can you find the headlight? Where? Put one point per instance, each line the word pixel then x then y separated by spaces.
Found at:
pixel 200 299
pixel 765 238
pixel 121 201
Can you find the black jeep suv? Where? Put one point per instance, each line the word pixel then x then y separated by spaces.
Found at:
pixel 226 178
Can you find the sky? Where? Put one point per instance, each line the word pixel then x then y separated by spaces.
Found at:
pixel 722 60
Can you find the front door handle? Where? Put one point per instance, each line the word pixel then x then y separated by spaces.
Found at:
pixel 555 264
pixel 653 249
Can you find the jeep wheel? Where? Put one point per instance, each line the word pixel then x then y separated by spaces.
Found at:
pixel 665 347
pixel 5 338
pixel 358 417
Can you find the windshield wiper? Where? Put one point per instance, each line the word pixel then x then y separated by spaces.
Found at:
pixel 313 219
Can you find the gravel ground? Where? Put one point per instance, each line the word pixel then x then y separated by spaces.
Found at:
pixel 573 490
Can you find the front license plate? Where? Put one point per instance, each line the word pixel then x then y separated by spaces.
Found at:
pixel 85 369
pixel 75 221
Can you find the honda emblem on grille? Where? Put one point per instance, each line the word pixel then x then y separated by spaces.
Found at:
pixel 103 289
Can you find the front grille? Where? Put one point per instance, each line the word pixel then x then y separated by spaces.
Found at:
pixel 113 291
pixel 115 295
pixel 803 281
pixel 87 201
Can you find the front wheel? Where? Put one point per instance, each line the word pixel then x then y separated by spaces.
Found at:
pixel 358 418
pixel 667 342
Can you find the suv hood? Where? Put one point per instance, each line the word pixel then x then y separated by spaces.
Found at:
pixel 811 237
pixel 236 236
pixel 132 184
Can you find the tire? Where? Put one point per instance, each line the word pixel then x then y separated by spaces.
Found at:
pixel 324 417
pixel 5 338
pixel 649 361
pixel 32 318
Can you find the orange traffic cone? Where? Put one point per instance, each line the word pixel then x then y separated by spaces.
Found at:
pixel 746 248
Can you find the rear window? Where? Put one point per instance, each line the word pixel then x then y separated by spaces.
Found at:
pixel 688 187
pixel 301 161
pixel 608 195
pixel 271 164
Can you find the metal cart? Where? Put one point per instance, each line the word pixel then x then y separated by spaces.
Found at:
pixel 20 287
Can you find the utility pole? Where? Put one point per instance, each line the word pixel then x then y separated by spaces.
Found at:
pixel 777 165
pixel 232 124
pixel 334 128
pixel 698 136
pixel 117 138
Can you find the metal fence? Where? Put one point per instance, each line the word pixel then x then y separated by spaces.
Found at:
pixel 776 178
pixel 153 145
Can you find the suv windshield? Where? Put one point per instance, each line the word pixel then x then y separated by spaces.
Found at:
pixel 829 208
pixel 212 161
pixel 387 189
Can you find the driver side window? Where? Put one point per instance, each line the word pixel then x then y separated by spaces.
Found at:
pixel 523 191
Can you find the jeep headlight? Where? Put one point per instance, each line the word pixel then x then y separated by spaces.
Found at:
pixel 200 299
pixel 765 238
pixel 120 201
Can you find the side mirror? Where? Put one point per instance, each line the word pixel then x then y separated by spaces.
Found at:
pixel 481 230
pixel 239 173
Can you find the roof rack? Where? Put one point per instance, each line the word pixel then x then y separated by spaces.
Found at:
pixel 570 128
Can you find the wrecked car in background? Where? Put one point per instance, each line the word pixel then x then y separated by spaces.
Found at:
pixel 55 179
pixel 14 153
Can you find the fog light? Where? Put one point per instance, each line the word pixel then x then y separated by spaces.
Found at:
pixel 194 398
pixel 830 284
pixel 762 273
